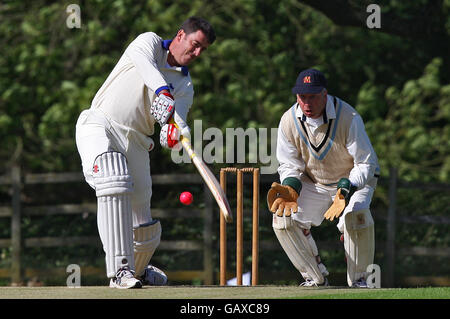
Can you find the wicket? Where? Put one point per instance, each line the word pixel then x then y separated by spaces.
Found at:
pixel 239 225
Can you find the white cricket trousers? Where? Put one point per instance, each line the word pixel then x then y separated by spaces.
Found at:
pixel 314 200
pixel 96 134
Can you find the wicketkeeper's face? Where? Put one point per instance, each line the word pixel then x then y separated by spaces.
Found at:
pixel 313 105
pixel 189 46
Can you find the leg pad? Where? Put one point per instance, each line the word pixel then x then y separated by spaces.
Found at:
pixel 359 244
pixel 146 239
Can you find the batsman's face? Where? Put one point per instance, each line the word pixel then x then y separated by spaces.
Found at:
pixel 189 46
pixel 313 105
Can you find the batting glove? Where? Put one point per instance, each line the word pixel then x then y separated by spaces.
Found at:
pixel 163 107
pixel 169 137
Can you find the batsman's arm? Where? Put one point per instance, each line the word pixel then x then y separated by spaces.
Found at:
pixel 145 52
pixel 183 104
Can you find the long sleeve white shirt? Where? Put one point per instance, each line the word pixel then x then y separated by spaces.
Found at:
pixel 129 91
pixel 357 144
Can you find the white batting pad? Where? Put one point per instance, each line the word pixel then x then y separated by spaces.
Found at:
pixel 297 247
pixel 146 239
pixel 113 186
pixel 359 244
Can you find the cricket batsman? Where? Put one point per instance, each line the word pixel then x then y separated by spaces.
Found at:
pixel 150 84
pixel 327 167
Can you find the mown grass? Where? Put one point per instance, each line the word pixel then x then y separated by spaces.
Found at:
pixel 209 292
pixel 395 293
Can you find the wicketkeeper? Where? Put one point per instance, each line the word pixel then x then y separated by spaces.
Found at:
pixel 150 84
pixel 327 165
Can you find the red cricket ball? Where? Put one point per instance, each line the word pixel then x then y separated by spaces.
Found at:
pixel 186 198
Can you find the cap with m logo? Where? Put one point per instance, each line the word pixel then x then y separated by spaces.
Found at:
pixel 310 81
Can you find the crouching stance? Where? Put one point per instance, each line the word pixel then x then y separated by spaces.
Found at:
pixel 296 240
pixel 328 169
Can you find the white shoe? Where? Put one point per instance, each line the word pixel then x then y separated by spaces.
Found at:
pixel 312 283
pixel 360 283
pixel 154 276
pixel 125 279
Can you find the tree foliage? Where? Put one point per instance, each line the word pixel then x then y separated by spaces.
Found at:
pixel 397 77
pixel 397 80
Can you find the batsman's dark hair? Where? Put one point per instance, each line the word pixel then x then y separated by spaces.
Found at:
pixel 193 24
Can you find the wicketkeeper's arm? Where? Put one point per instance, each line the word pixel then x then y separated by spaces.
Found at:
pixel 364 157
pixel 345 190
pixel 289 158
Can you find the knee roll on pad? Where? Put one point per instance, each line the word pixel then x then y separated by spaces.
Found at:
pixel 359 244
pixel 113 186
pixel 110 172
pixel 146 239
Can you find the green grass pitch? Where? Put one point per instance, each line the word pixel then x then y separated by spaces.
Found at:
pixel 213 292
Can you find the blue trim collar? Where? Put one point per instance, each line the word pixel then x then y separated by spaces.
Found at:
pixel 314 153
pixel 165 44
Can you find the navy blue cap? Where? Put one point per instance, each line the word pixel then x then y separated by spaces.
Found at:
pixel 310 81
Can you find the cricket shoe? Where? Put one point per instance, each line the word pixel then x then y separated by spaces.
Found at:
pixel 125 279
pixel 312 283
pixel 154 276
pixel 360 283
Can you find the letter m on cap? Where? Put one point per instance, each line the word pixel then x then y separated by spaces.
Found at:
pixel 307 79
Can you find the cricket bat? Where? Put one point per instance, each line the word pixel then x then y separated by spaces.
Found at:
pixel 208 177
pixel 337 207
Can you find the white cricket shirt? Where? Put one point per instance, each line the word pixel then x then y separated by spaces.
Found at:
pixel 142 71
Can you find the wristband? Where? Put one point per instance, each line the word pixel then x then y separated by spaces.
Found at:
pixel 294 183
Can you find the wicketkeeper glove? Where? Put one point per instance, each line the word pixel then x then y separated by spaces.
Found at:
pixel 169 137
pixel 163 107
pixel 282 199
pixel 347 188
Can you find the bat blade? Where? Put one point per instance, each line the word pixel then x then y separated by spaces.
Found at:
pixel 210 180
pixel 208 177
